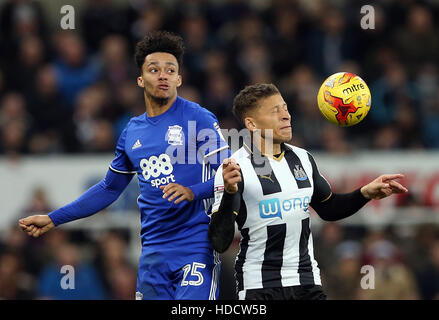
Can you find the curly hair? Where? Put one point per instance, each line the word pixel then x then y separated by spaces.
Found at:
pixel 247 98
pixel 159 41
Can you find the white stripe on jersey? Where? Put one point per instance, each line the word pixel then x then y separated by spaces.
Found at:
pixel 123 172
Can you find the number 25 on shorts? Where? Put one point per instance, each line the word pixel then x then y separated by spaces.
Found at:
pixel 194 271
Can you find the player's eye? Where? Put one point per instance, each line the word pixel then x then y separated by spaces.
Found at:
pixel 171 70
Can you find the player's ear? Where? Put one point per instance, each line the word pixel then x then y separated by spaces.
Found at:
pixel 179 81
pixel 249 123
pixel 140 82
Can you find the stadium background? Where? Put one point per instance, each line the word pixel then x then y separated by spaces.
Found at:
pixel 65 96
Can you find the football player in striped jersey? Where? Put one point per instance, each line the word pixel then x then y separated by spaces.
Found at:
pixel 267 187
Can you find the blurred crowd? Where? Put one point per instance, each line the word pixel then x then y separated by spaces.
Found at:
pixel 358 263
pixel 31 268
pixel 73 91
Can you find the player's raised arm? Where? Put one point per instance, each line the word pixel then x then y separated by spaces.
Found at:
pixel 226 208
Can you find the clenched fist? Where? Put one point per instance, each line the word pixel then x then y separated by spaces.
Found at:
pixel 231 175
pixel 37 225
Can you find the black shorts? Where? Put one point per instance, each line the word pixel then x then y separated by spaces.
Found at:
pixel 306 292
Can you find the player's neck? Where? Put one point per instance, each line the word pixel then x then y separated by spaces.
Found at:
pixel 267 148
pixel 156 107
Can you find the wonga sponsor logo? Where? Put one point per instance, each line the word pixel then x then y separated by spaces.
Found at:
pixel 272 208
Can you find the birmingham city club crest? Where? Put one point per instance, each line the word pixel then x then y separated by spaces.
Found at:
pixel 174 136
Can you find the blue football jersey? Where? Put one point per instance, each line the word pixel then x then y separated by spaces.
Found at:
pixel 182 146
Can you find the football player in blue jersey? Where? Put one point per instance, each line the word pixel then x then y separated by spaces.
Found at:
pixel 173 148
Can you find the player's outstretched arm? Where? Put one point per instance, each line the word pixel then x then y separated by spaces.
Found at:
pixel 383 186
pixel 95 199
pixel 340 206
pixel 36 225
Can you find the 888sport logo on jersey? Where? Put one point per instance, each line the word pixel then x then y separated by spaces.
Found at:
pixel 155 166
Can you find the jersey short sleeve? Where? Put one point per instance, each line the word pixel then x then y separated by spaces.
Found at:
pixel 210 140
pixel 121 163
pixel 322 188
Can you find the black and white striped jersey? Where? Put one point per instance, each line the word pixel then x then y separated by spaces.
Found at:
pixel 276 247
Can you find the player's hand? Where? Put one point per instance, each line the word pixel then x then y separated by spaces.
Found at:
pixel 37 225
pixel 231 175
pixel 383 186
pixel 174 190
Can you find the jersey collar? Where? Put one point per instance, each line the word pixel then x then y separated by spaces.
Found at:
pixel 156 119
pixel 255 152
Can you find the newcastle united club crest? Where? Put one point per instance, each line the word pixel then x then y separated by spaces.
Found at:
pixel 299 173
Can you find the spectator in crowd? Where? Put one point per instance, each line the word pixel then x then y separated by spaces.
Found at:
pixel 430 123
pixel 101 18
pixel 115 63
pixel 88 110
pixel 75 70
pixel 14 283
pixel 129 104
pixel 288 46
pixel 26 254
pixel 14 124
pixel 38 202
pixel 123 283
pixel 117 273
pixel 150 18
pixel 428 277
pixel 343 278
pixel 419 29
pixel 18 20
pixel 330 43
pixel 219 93
pixel 392 279
pixel 31 55
pixel 52 130
pixel 83 284
pixel 327 240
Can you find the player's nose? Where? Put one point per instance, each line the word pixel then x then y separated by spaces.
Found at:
pixel 285 115
pixel 163 75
